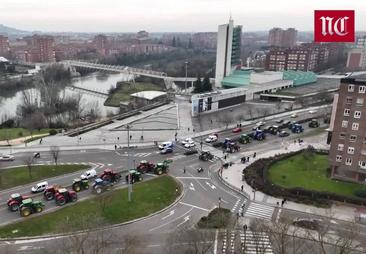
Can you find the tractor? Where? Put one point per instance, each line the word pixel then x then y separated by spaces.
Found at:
pixel 244 139
pixel 314 123
pixel 64 196
pixel 51 191
pixel 259 135
pixel 145 167
pixel 232 147
pixel 29 206
pixel 162 167
pixel 15 201
pixel 101 185
pixel 205 156
pixel 297 128
pixel 80 184
pixel 133 176
pixel 110 175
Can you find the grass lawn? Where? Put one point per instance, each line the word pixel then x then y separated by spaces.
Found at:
pixel 12 133
pixel 309 173
pixel 16 176
pixel 124 91
pixel 111 208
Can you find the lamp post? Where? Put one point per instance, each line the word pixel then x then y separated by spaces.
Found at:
pixel 185 83
pixel 129 163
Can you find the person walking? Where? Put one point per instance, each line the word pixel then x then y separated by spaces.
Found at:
pixel 242 188
pixel 184 170
pixel 255 155
pixel 115 147
pixel 40 141
pixel 130 137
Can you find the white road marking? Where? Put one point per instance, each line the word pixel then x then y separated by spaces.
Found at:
pixel 109 164
pixel 215 244
pixel 191 187
pixel 162 225
pixel 193 206
pixel 211 185
pixel 190 177
pixel 184 221
pixel 203 187
pixel 170 214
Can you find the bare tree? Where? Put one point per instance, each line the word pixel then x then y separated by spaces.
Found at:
pixel 28 161
pixel 55 152
pixel 226 119
pixel 250 110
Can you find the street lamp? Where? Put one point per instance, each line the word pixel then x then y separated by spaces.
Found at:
pixel 253 193
pixel 185 83
pixel 129 163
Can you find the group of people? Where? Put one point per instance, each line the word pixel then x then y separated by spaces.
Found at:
pixel 247 158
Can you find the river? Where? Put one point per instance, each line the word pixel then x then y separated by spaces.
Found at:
pixel 100 82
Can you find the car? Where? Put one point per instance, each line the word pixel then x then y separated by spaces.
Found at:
pixel 313 224
pixel 279 121
pixel 166 150
pixel 294 115
pixel 260 123
pixel 283 134
pixel 186 141
pixel 39 187
pixel 7 158
pixel 211 138
pixel 189 145
pixel 165 145
pixel 191 151
pixel 91 173
pixel 312 111
pixel 236 130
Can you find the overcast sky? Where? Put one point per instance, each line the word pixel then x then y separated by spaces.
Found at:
pixel 167 15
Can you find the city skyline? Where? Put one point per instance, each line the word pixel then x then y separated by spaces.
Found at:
pixel 166 16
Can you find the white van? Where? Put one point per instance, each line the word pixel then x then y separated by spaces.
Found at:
pixel 91 173
pixel 39 187
pixel 166 145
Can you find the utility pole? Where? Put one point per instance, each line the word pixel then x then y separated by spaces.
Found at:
pixel 185 83
pixel 129 164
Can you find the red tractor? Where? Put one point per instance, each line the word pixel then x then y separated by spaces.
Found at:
pixel 64 196
pixel 145 167
pixel 15 201
pixel 111 176
pixel 51 191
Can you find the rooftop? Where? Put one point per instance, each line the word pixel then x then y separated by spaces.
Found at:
pixel 149 95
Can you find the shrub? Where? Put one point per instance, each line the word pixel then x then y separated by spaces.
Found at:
pixel 20 134
pixel 360 193
pixel 53 132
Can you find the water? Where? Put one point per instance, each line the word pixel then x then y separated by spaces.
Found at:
pixel 97 81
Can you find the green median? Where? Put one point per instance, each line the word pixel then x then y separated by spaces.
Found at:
pixel 110 208
pixel 16 176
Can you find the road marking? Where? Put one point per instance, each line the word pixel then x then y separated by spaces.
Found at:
pixel 109 164
pixel 162 225
pixel 211 185
pixel 190 177
pixel 191 187
pixel 193 206
pixel 152 245
pixel 170 214
pixel 203 187
pixel 215 244
pixel 184 221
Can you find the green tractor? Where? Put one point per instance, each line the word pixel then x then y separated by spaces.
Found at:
pixel 29 206
pixel 133 176
pixel 244 139
pixel 162 167
pixel 80 184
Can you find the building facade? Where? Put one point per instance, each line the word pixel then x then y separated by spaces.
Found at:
pixel 278 37
pixel 356 59
pixel 4 46
pixel 348 144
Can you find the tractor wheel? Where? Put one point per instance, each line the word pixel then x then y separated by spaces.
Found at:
pixel 25 211
pixel 159 172
pixel 14 207
pixel 48 195
pixel 76 187
pixel 61 201
pixel 140 178
pixel 74 198
pixel 39 209
pixel 86 186
pixel 98 190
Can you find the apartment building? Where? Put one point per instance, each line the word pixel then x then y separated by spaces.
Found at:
pixel 348 145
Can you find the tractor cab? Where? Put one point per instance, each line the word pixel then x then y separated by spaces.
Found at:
pixel 133 176
pixel 64 196
pixel 244 139
pixel 16 196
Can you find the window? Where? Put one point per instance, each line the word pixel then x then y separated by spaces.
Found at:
pixel 351 150
pixel 357 114
pixel 352 138
pixel 339 158
pixel 346 112
pixel 362 89
pixel 343 135
pixel 349 161
pixel 344 124
pixel 362 164
pixel 351 88
pixel 355 126
pixel 359 101
pixel 340 147
pixel 348 100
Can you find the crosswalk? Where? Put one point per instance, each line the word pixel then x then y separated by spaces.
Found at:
pixel 259 211
pixel 248 242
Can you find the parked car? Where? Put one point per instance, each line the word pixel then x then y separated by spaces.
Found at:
pixel 7 158
pixel 279 121
pixel 312 111
pixel 190 144
pixel 91 173
pixel 211 138
pixel 294 115
pixel 283 134
pixel 191 151
pixel 166 150
pixel 39 187
pixel 236 130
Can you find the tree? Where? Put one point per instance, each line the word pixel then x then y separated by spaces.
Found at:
pixel 226 119
pixel 174 43
pixel 206 86
pixel 55 152
pixel 198 86
pixel 190 44
pixel 28 161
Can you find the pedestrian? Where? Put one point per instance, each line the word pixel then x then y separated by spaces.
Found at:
pixel 80 138
pixel 130 137
pixel 254 155
pixel 142 137
pixel 278 203
pixel 188 129
pixel 211 121
pixel 242 187
pixel 118 138
pixel 248 159
pixel 184 170
pixel 295 141
pixel 225 157
pixel 40 141
pixel 282 202
pixel 115 147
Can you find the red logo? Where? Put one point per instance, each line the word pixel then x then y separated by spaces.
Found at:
pixel 334 26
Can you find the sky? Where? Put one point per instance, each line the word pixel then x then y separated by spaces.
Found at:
pixel 167 15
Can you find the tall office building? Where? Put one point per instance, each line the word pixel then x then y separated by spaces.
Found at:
pixel 348 140
pixel 228 50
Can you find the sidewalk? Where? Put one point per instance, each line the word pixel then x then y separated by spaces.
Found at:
pixel 233 176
